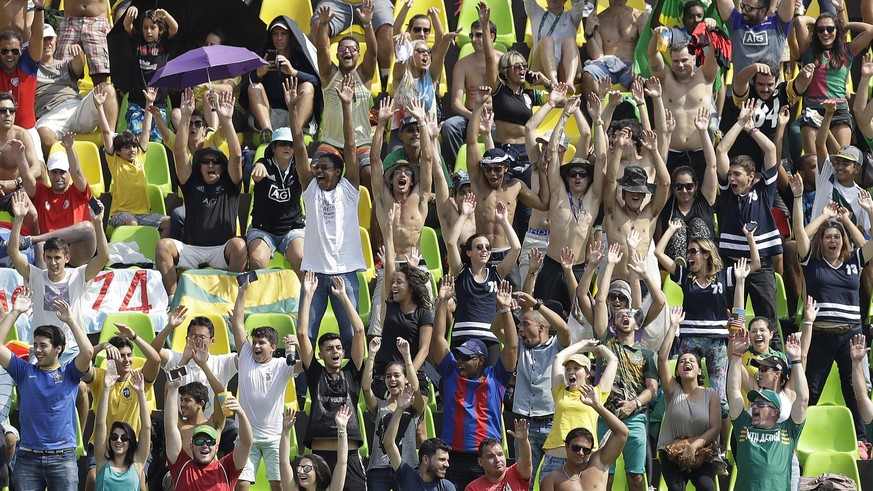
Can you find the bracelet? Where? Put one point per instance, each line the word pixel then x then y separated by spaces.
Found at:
pixel 807 323
pixel 505 310
pixel 641 104
pixel 135 335
pixel 341 433
pixel 368 25
pixel 796 196
pixel 798 362
pixel 538 304
pixel 753 129
pixel 39 9
pixel 639 404
pixel 738 355
pixel 550 103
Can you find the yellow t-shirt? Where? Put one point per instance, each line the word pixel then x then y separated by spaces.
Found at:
pixel 131 187
pixel 123 401
pixel 571 413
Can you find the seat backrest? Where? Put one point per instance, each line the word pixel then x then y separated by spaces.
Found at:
pixel 146 237
pixel 222 339
pixel 156 199
pixel 835 462
pixel 299 11
pixel 828 428
pixel 421 7
pixel 365 208
pixel 501 15
pixel 89 161
pixel 157 167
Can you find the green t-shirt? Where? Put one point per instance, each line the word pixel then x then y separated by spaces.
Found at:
pixel 635 365
pixel 764 456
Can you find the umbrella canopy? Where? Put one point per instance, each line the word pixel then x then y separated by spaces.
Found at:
pixel 202 65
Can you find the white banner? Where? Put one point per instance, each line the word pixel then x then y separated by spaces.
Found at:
pixel 119 290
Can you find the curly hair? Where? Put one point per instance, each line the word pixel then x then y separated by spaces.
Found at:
pixel 152 15
pixel 419 286
pixel 714 264
pixel 836 52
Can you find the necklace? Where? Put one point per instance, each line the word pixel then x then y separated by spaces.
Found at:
pixel 576 475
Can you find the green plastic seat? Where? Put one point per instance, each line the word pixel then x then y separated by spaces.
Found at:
pixel 836 462
pixel 832 392
pixel 501 15
pixel 156 199
pixel 781 299
pixel 139 322
pixel 619 483
pixel 146 237
pixel 430 251
pixel 673 292
pixel 429 426
pixel 827 429
pixel 461 160
pixel 157 167
pixel 364 304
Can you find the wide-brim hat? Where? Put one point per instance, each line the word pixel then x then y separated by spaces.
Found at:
pixel 576 162
pixel 636 180
pixel 388 175
pixel 199 154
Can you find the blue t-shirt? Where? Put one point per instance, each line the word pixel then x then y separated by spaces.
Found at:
pixel 409 480
pixel 836 288
pixel 47 401
pixel 752 43
pixel 737 210
pixel 705 307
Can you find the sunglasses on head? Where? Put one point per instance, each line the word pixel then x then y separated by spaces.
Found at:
pixel 763 404
pixel 209 160
pixel 6 51
pixel 347 49
pixel 577 173
pixel 423 51
pixel 686 187
pixel 825 29
pixel 7 110
pixel 196 124
pixel 305 468
pixel 483 247
pixel 421 30
pixel 115 437
pixel 749 8
pixel 613 296
pixel 203 442
pixel 576 448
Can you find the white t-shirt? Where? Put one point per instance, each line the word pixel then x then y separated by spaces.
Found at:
pixel 333 236
pixel 559 27
pixel 71 289
pixel 262 392
pixel 222 366
pixel 824 195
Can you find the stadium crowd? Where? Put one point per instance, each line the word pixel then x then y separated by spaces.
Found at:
pixel 630 208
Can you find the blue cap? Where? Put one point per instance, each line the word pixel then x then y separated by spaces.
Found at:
pixel 473 347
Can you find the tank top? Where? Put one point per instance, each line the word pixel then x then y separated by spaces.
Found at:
pixel 477 305
pixel 109 479
pixel 684 418
pixel 405 440
pixel 514 108
pixel 332 128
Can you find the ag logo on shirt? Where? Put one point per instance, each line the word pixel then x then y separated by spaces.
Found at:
pixel 279 195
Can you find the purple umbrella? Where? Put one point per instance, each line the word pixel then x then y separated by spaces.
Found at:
pixel 203 65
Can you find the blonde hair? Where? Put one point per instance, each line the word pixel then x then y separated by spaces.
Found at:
pixel 714 264
pixel 409 88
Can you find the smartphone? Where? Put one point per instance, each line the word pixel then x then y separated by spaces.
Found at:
pixel 270 55
pixel 751 226
pixel 251 275
pixel 529 77
pixel 95 206
pixel 178 372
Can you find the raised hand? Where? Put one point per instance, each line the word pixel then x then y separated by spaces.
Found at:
pixel 588 395
pixel 603 86
pixel 558 95
pixel 290 89
pixel 483 94
pixel 792 346
pixel 310 282
pixel 386 110
pixel 865 201
pixel 132 13
pixel 404 399
pixel 637 91
pixel 484 13
pixel 124 331
pixel 614 256
pixel 595 252
pixel 535 260
pixel 289 417
pixel 796 184
pixel 20 204
pixel 343 414
pixel 403 346
pixel 653 87
pixel 746 111
pixel 521 430
pixel 109 379
pixel 137 381
pixel 150 94
pixel 177 316
pixel 677 315
pixel 486 122
pixel 417 111
pixel 675 224
pixel 572 105
pixel 637 263
pixel 831 210
pixel 414 256
pixel 98 94
pixel 633 239
pixel 447 287
pixel 784 116
pixel 187 103
pixel 750 228
pixel 504 295
pixel 225 106
pixel 568 258
pixel 867 66
pixel 97 216
pixel 595 106
pixel 346 90
pixel 338 288
pixel 830 106
pixel 859 348
pixel 23 300
pixel 501 212
pixel 702 120
pixel 614 96
pixel 200 353
pixel 670 121
pixel 742 269
pixel 62 309
pixel 650 141
pixel 741 341
pixel 365 12
pixel 810 309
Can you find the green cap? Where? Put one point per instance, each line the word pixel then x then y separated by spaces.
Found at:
pixel 205 430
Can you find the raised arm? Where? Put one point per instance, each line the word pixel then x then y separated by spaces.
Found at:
pixel 301 156
pixel 153 359
pixel 389 440
pixel 310 283
pixel 76 174
pixel 27 175
pixel 474 154
pixel 656 60
pixel 389 258
pixel 601 310
pixel 86 350
pixel 37 27
pixel 224 104
pixel 181 157
pixel 359 338
pixel 22 302
pixel 439 346
pixel 525 459
pixel 596 249
pixel 709 186
pixel 172 436
pixel 439 53
pixel 821 136
pixel 246 438
pixel 20 206
pixel 734 376
pixel 172 25
pixel 386 111
pixel 369 66
pixel 492 69
pixel 367 377
pixel 137 381
pixel 508 261
pixel 150 94
pixel 859 382
pixel 637 265
pixel 286 472
pixel 99 97
pixel 109 380
pixel 326 68
pixel 667 262
pixel 101 259
pixel 584 345
pixel 862 109
pixel 338 479
pixel 721 152
pixel 238 315
pixel 175 319
pixel 608 453
pixel 346 95
pixel 798 378
pixel 662 175
pixel 427 158
pixel 452 234
pixel 668 382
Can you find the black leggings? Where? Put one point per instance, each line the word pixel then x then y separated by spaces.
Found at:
pixel 703 478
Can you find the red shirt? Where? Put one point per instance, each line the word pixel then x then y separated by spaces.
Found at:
pixel 512 481
pixel 219 475
pixel 21 83
pixel 57 211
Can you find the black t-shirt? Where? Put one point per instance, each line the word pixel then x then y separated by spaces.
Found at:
pixel 699 222
pixel 765 117
pixel 276 198
pixel 400 325
pixel 514 108
pixel 329 392
pixel 148 58
pixel 211 211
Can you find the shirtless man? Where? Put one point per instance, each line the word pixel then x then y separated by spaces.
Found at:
pixel 408 185
pixel 586 469
pixel 685 88
pixel 467 76
pixel 10 179
pixel 487 177
pixel 86 23
pixel 612 38
pixel 15 17
pixel 630 214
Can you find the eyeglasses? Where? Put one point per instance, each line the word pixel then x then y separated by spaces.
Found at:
pixel 476 35
pixel 412 129
pixel 577 173
pixel 825 29
pixel 210 161
pixel 305 468
pixel 196 124
pixel 423 51
pixel 7 110
pixel 115 437
pixel 613 296
pixel 493 169
pixel 421 30
pixel 323 167
pixel 518 66
pixel 347 49
pixel 686 187
pixel 692 252
pixel 284 143
pixel 763 404
pixel 6 51
pixel 576 448
pixel 203 442
pixel 483 247
pixel 749 8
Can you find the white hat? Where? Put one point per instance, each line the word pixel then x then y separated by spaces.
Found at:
pixel 58 160
pixel 48 31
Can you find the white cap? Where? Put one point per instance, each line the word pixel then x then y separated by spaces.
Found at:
pixel 58 160
pixel 48 31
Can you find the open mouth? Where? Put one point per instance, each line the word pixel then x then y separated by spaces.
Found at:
pixel 402 181
pixel 571 379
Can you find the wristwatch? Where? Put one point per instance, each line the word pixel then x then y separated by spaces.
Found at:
pixel 538 304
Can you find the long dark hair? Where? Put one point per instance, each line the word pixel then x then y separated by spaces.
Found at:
pixel 323 474
pixel 419 286
pixel 836 53
pixel 131 449
pixel 468 246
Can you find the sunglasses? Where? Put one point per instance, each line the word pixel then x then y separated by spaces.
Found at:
pixel 7 110
pixel 412 129
pixel 407 172
pixel 763 404
pixel 825 29
pixel 115 437
pixel 476 35
pixel 613 296
pixel 421 30
pixel 347 49
pixel 284 143
pixel 423 51
pixel 749 8
pixel 323 167
pixel 518 66
pixel 305 468
pixel 684 187
pixel 493 169
pixel 6 51
pixel 210 161
pixel 769 369
pixel 576 448
pixel 196 124
pixel 483 247
pixel 203 442
pixel 623 314
pixel 577 173
pixel 692 252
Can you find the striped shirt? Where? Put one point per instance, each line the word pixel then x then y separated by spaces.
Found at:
pixel 705 306
pixel 836 288
pixel 737 210
pixel 473 408
pixel 477 304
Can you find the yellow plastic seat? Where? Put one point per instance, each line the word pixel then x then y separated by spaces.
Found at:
pixel 421 7
pixel 300 12
pixel 222 339
pixel 528 33
pixel 89 160
pixel 365 208
pixel 367 247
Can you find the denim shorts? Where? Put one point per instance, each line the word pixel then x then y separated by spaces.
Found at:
pixel 274 242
